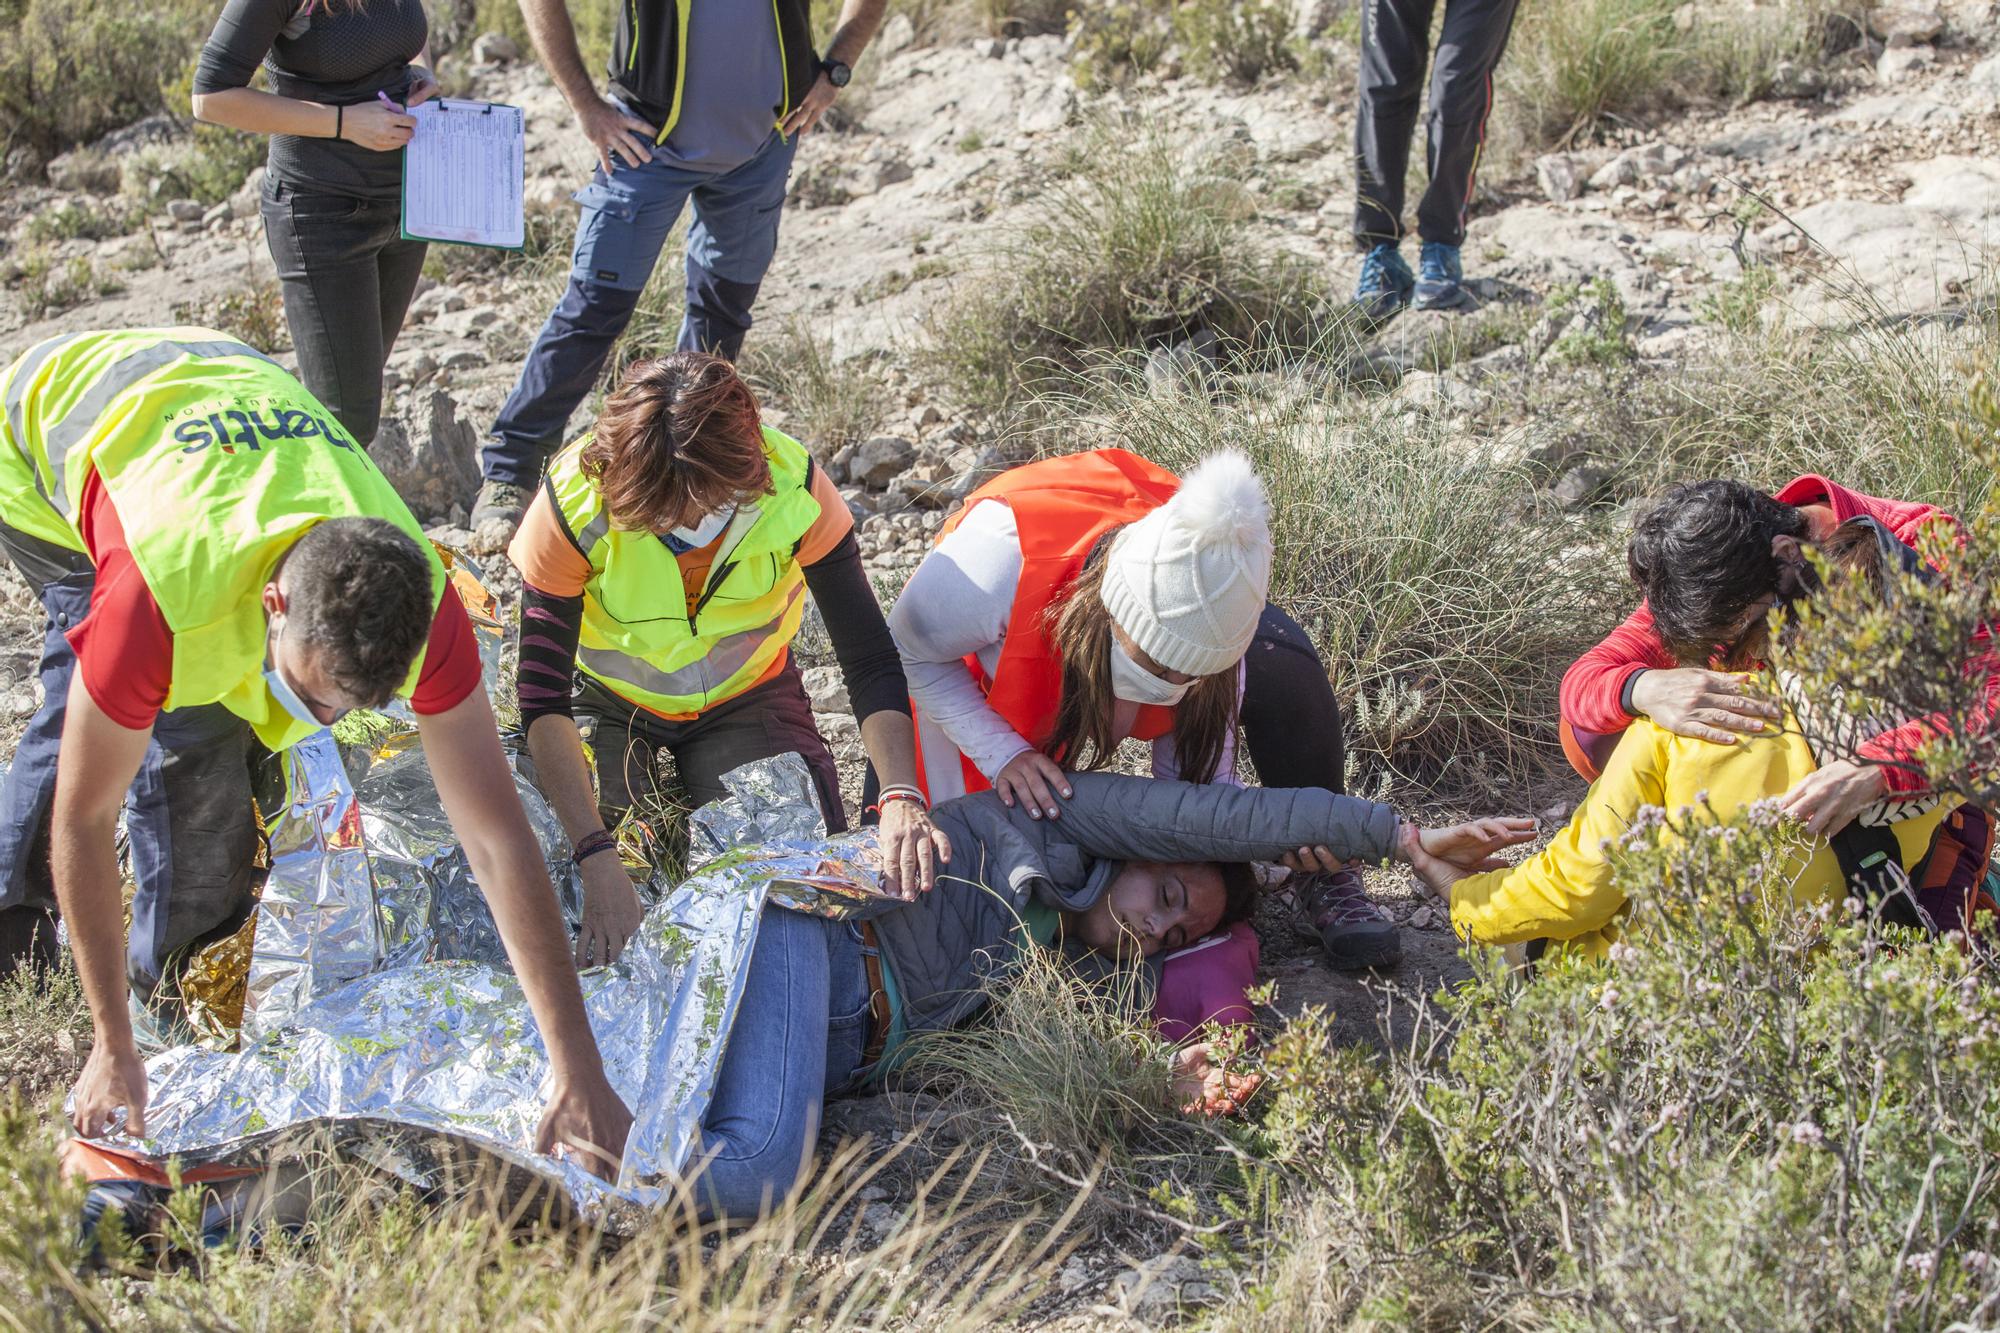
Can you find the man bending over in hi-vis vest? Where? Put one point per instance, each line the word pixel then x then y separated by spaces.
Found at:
pixel 222 569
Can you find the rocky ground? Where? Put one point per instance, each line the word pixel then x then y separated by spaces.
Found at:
pixel 1880 170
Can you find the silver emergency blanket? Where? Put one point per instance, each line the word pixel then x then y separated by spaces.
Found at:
pixel 423 1062
pixel 369 875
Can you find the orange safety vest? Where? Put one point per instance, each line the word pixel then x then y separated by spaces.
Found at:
pixel 1062 506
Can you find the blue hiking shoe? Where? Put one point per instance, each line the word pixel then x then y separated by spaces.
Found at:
pixel 1386 283
pixel 1440 281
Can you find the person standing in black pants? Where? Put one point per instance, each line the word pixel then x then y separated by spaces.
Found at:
pixel 1395 46
pixel 343 76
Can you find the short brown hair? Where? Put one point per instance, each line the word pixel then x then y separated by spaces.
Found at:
pixel 679 437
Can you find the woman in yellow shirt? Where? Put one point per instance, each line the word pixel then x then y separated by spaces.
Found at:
pixel 1565 893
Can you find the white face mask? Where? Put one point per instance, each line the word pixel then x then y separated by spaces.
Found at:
pixel 1136 685
pixel 702 533
pixel 287 697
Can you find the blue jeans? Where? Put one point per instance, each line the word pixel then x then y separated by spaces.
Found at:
pixel 190 816
pixel 625 220
pixel 799 1037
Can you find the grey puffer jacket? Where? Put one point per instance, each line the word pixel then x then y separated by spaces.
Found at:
pixel 943 947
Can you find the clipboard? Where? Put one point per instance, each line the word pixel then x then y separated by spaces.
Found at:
pixel 464 175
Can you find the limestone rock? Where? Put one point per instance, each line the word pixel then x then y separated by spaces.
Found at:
pixel 827 689
pixel 1556 173
pixel 1898 63
pixel 898 34
pixel 1157 1288
pixel 85 171
pixel 432 462
pixel 1046 108
pixel 494 48
pixel 184 210
pixel 879 461
pixel 1905 24
pixel 1984 81
pixel 1640 165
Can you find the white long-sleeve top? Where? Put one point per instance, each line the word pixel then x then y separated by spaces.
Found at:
pixel 957 604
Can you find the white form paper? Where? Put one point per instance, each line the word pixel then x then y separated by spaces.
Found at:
pixel 462 174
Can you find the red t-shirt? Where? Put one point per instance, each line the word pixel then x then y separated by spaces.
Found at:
pixel 125 651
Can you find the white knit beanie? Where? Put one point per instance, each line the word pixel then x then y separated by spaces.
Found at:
pixel 1188 581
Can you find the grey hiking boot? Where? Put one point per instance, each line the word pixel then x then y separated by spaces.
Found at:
pixel 500 501
pixel 1440 279
pixel 1385 284
pixel 1355 933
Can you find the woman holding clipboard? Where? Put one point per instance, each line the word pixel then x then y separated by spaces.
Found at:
pixel 343 74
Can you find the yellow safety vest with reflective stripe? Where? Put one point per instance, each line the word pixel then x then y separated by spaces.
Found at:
pixel 638 637
pixel 217 462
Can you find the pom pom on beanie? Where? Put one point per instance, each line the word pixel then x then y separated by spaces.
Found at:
pixel 1188 582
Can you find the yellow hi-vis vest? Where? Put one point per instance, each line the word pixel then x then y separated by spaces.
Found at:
pixel 217 462
pixel 638 638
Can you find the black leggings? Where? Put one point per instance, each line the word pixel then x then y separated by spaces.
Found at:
pixel 1291 722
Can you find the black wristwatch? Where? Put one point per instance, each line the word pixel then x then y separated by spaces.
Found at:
pixel 837 74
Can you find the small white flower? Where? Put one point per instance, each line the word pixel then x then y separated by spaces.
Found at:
pixel 1808 1133
pixel 1923 1265
pixel 1621 952
pixel 1608 998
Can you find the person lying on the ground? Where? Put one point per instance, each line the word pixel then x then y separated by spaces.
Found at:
pixel 1136 867
pixel 1711 559
pixel 224 570
pixel 1566 895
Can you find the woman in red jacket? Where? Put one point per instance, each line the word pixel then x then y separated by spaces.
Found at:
pixel 1712 559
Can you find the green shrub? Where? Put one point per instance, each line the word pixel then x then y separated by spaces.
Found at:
pixel 254 314
pixel 1111 42
pixel 1444 601
pixel 1139 239
pixel 1238 41
pixel 1024 18
pixel 84 219
pixel 1737 305
pixel 1754 1117
pixel 45 284
pixel 1922 653
pixel 72 72
pixel 211 166
pixel 1596 332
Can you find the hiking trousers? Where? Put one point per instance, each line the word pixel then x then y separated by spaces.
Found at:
pixel 1395 47
pixel 190 816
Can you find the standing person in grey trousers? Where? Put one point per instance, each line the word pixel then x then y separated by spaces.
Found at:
pixel 705 108
pixel 1395 46
pixel 343 75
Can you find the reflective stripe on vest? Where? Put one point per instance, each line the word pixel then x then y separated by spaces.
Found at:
pixel 637 638
pixel 1062 507
pixel 217 462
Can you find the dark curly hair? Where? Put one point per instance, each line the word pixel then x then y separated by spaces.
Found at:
pixel 359 596
pixel 1703 558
